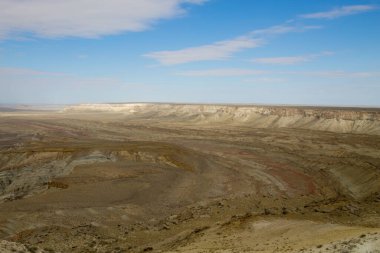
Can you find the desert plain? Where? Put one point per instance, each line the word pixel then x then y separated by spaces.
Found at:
pixel 151 177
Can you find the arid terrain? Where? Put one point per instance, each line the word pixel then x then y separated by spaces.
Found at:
pixel 189 178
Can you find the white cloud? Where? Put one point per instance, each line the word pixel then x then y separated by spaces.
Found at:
pixel 225 72
pixel 84 18
pixel 21 85
pixel 340 12
pixel 18 76
pixel 195 1
pixel 277 29
pixel 282 60
pixel 82 56
pixel 282 29
pixel 289 60
pixel 26 72
pixel 334 73
pixel 265 80
pixel 216 51
pixel 222 72
pixel 223 49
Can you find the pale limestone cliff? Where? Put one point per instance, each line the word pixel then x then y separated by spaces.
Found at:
pixel 342 120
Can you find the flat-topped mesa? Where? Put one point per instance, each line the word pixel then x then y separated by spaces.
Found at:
pixel 322 112
pixel 335 119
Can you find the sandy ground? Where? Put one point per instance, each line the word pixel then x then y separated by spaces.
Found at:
pixel 111 182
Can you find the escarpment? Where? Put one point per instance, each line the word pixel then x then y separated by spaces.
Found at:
pixel 160 177
pixel 340 120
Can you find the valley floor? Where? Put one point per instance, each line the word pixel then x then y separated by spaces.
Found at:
pixel 107 182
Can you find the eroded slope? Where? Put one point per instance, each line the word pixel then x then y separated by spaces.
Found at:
pixel 164 179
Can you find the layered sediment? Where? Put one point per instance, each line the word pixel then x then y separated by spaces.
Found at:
pixel 190 178
pixel 342 120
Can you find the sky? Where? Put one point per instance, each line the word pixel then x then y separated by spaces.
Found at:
pixel 305 52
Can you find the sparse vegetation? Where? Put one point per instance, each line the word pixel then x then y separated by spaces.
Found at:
pixel 172 182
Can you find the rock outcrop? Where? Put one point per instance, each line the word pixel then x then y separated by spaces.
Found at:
pixel 341 120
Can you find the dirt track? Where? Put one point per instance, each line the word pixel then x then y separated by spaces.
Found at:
pixel 182 182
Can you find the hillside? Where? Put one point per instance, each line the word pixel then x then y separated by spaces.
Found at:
pixel 190 178
pixel 341 120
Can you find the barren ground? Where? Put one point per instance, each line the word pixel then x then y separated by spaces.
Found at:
pixel 110 181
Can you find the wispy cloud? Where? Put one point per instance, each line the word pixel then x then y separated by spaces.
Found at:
pixel 216 51
pixel 289 60
pixel 282 29
pixel 223 49
pixel 335 73
pixel 4 71
pixel 340 12
pixel 276 76
pixel 82 56
pixel 282 60
pixel 24 75
pixel 83 18
pixel 265 80
pixel 223 72
pixel 22 85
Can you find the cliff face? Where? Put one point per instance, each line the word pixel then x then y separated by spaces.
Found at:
pixel 345 120
pixel 162 177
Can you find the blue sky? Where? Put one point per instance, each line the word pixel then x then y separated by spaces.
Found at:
pixel 323 52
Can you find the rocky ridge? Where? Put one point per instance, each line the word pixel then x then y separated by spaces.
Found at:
pixel 342 120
